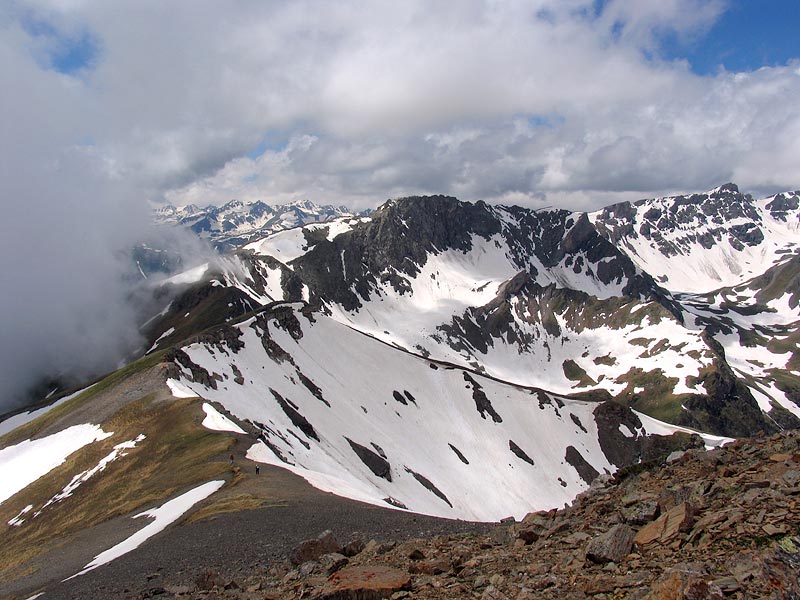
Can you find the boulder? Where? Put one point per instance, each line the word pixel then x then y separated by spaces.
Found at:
pixel 353 547
pixel 308 550
pixel 333 562
pixel 677 519
pixel 365 583
pixel 534 526
pixel 611 546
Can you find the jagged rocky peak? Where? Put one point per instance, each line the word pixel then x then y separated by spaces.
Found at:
pixel 657 217
pixel 784 206
pixel 232 204
pixel 439 222
pixel 719 205
pixel 701 242
pixel 390 247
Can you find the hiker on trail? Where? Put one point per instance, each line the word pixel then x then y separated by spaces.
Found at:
pixel 231 458
pixel 258 469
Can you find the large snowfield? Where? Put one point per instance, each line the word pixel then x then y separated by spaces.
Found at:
pixel 422 419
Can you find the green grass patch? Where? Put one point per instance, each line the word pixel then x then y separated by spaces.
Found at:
pixel 655 396
pixel 28 430
pixel 177 454
pixel 574 372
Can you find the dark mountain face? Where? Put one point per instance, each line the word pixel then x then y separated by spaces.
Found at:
pixel 784 206
pixel 390 247
pixel 570 241
pixel 397 241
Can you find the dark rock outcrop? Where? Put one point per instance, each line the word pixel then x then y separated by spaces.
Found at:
pixel 376 463
pixel 586 471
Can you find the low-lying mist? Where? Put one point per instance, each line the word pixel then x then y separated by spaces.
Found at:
pixel 73 295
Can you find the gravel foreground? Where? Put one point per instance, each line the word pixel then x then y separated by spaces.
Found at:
pixel 236 546
pixel 704 525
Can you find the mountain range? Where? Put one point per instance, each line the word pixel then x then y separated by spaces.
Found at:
pixel 237 222
pixel 440 357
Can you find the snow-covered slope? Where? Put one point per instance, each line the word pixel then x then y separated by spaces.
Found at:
pixel 702 242
pixel 372 422
pixel 757 325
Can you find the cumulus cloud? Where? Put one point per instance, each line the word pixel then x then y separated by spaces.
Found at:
pixel 110 105
pixel 362 101
pixel 549 91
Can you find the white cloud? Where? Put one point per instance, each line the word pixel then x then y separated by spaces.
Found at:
pixel 402 96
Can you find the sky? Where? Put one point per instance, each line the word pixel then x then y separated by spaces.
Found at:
pixel 568 102
pixel 109 108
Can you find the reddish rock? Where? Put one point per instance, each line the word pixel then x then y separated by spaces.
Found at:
pixel 677 519
pixel 365 583
pixel 650 532
pixel 534 526
pixel 682 585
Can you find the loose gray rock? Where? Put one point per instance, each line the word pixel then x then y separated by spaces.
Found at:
pixel 312 549
pixel 641 513
pixel 333 562
pixel 612 546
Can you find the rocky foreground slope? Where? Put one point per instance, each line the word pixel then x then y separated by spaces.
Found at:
pixel 707 525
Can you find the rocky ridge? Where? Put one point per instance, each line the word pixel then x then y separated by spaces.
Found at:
pixel 702 525
pixel 565 301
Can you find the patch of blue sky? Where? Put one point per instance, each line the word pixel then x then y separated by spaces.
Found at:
pixel 749 34
pixel 548 121
pixel 271 143
pixel 75 55
pixel 67 53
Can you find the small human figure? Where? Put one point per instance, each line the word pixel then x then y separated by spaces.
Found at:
pixel 231 458
pixel 258 469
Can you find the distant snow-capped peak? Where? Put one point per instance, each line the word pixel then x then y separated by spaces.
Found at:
pixel 237 222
